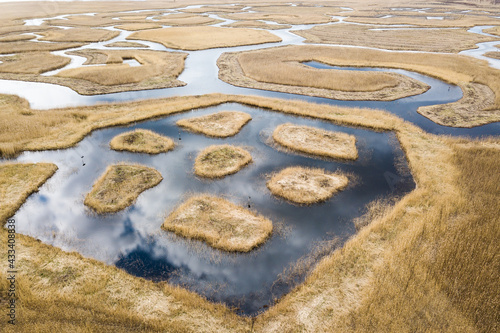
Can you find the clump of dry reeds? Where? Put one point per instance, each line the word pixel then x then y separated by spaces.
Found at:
pixel 220 223
pixel 142 141
pixel 218 161
pixel 221 124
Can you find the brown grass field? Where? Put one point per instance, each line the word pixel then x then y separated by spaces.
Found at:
pixel 221 124
pixel 125 44
pixel 494 55
pixel 257 25
pixel 78 35
pixel 435 40
pixel 16 38
pixel 220 223
pixel 218 161
pixel 316 141
pixel 186 20
pixel 158 70
pixel 306 185
pixel 119 187
pixel 372 283
pixel 493 31
pixel 142 141
pixel 272 69
pixel 32 63
pixel 30 46
pixel 201 38
pixel 475 77
pixel 138 26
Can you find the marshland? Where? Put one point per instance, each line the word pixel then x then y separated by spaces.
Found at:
pixel 166 166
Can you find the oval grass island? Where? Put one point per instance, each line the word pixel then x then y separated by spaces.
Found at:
pixel 316 141
pixel 220 161
pixel 221 124
pixel 119 187
pixel 142 141
pixel 306 185
pixel 220 223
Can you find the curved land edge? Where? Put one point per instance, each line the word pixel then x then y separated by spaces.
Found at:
pixel 220 223
pixel 157 70
pixel 142 141
pixel 466 72
pixel 379 267
pixel 221 124
pixel 230 71
pixel 119 186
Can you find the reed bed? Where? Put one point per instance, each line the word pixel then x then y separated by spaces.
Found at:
pixel 142 141
pixel 32 63
pixel 78 35
pixel 218 161
pixel 30 46
pixel 119 187
pixel 220 223
pixel 221 124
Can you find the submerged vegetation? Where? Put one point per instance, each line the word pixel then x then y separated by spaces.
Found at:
pixel 119 186
pixel 142 141
pixel 221 124
pixel 316 141
pixel 306 185
pixel 220 223
pixel 220 161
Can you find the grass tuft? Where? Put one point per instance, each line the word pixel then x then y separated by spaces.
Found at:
pixel 220 161
pixel 142 141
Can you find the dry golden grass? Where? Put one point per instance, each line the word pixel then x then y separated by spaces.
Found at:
pixel 435 40
pixel 316 141
pixel 306 185
pixel 15 38
pixel 125 44
pixel 494 55
pixel 221 124
pixel 257 24
pixel 29 46
pixel 220 223
pixel 281 69
pixel 283 15
pixel 493 31
pixel 201 38
pixel 214 9
pixel 468 73
pixel 79 35
pixel 83 21
pixel 119 187
pixel 142 141
pixel 138 26
pixel 18 181
pixel 186 20
pixel 32 63
pixel 446 228
pixel 218 161
pixel 155 65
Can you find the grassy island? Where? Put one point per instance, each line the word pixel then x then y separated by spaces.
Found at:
pixel 219 161
pixel 220 223
pixel 142 141
pixel 119 186
pixel 316 141
pixel 306 185
pixel 221 124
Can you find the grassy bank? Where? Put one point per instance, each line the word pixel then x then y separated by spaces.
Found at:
pixel 119 187
pixel 316 141
pixel 79 35
pixel 220 223
pixel 32 63
pixel 142 141
pixel 220 161
pixel 221 124
pixel 427 263
pixel 306 185
pixel 479 82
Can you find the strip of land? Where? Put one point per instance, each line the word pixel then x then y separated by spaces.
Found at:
pixel 201 38
pixel 220 223
pixel 79 35
pixel 32 63
pixel 119 187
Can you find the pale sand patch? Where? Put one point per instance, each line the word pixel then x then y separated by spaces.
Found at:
pixel 220 223
pixel 142 141
pixel 119 187
pixel 316 141
pixel 306 185
pixel 218 161
pixel 221 124
pixel 201 38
